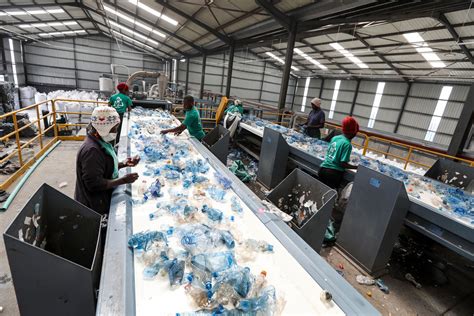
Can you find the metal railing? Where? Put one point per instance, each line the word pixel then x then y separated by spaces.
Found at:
pixel 46 135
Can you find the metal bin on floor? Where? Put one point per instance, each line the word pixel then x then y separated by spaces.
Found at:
pixel 296 193
pixel 217 141
pixel 54 251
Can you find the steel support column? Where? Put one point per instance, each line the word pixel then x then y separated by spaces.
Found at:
pixel 287 69
pixel 75 62
pixel 203 76
pixel 263 81
pixel 294 93
pixel 355 98
pixel 463 128
pixel 186 82
pixel 229 70
pixel 4 60
pixel 23 61
pixel 404 103
pixel 321 89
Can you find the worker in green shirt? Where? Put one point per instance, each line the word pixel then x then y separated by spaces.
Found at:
pixel 121 102
pixel 339 154
pixel 192 121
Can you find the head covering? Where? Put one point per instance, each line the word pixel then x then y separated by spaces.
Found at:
pixel 122 86
pixel 103 118
pixel 350 127
pixel 315 101
pixel 238 102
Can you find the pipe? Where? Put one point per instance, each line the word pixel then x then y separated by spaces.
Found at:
pixel 144 74
pixel 15 191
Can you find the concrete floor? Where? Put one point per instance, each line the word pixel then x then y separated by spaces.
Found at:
pixel 58 167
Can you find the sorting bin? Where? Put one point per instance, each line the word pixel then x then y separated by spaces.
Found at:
pixel 59 276
pixel 452 173
pixel 298 189
pixel 217 141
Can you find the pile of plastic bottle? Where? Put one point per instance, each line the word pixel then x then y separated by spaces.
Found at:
pixel 195 243
pixel 444 198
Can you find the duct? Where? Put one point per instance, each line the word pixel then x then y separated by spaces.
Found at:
pixel 143 74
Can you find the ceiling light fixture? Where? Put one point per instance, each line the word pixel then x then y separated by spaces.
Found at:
pixel 154 12
pixel 310 59
pixel 280 60
pixel 26 26
pixel 62 33
pixel 133 32
pixel 133 21
pixel 348 55
pixel 422 48
pixel 31 12
pixel 133 40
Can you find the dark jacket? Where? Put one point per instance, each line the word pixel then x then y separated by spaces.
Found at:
pixel 93 168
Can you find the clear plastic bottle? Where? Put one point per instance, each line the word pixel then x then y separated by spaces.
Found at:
pixel 213 262
pixel 176 272
pixel 212 213
pixel 235 205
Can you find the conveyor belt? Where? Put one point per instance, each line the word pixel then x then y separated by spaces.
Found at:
pixel 119 294
pixel 443 227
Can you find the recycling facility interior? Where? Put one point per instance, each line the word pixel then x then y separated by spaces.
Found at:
pixel 394 238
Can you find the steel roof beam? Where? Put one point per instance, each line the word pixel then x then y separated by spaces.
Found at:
pixel 279 16
pixel 211 30
pixel 388 62
pixel 444 20
pixel 169 33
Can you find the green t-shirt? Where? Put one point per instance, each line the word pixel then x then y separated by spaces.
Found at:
pixel 234 109
pixel 120 102
pixel 339 150
pixel 193 123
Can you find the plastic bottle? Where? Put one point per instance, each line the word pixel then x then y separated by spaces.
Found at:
pixel 227 238
pixel 264 302
pixel 212 213
pixel 143 240
pixel 257 245
pixel 213 262
pixel 259 284
pixel 226 183
pixel 240 279
pixel 216 194
pixel 176 272
pixel 155 189
pixel 235 205
pixel 172 175
pixel 142 188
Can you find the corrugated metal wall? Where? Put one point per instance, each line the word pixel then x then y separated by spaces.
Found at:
pixel 420 107
pixel 253 78
pixel 18 60
pixel 78 62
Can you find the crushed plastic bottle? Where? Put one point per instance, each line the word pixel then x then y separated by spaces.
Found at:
pixel 235 205
pixel 381 285
pixel 216 194
pixel 155 189
pixel 213 262
pixel 257 245
pixel 362 279
pixel 240 279
pixel 264 302
pixel 212 213
pixel 227 238
pixel 172 175
pixel 259 284
pixel 143 240
pixel 176 272
pixel 225 182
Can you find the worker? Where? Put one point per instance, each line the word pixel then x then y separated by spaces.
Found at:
pixel 316 120
pixel 338 154
pixel 122 103
pixel 233 115
pixel 192 121
pixel 97 164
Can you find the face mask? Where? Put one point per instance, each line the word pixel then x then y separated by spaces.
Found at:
pixel 110 137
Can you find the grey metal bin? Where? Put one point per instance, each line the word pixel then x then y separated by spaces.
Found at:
pixel 217 141
pixel 62 276
pixel 287 196
pixel 452 173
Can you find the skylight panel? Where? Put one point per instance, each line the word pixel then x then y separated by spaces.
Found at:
pixel 154 12
pixel 62 33
pixel 310 59
pixel 133 40
pixel 280 60
pixel 335 93
pixel 133 21
pixel 52 24
pixel 126 29
pixel 438 113
pixel 305 94
pixel 422 48
pixel 376 104
pixel 348 55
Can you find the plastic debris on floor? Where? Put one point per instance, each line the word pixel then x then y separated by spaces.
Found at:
pixel 441 197
pixel 196 242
